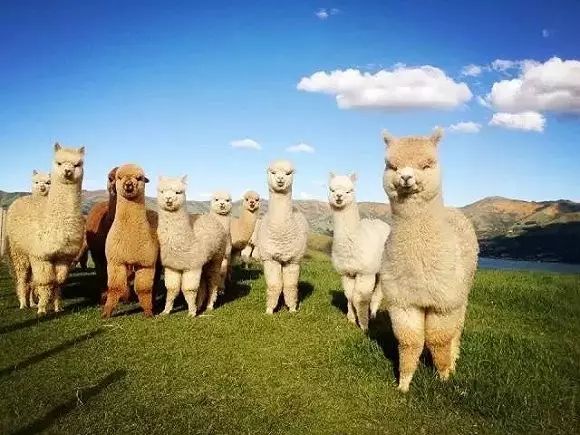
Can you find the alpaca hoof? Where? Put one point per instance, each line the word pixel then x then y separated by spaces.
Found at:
pixel 192 314
pixel 23 306
pixel 58 310
pixel 404 383
pixel 209 308
pixel 41 313
pixel 148 313
pixel 165 312
pixel 403 388
pixel 293 309
pixel 106 314
pixel 445 374
pixel 270 311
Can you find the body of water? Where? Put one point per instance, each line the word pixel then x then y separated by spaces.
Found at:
pixel 499 263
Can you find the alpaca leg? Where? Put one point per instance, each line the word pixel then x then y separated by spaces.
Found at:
pixel 61 270
pixel 173 285
pixel 290 276
pixel 245 254
pixel 377 298
pixel 44 278
pixel 144 288
pixel 211 284
pixel 363 292
pixel 273 276
pixel 190 283
pixel 442 334
pixel 22 274
pixel 117 286
pixel 408 326
pixel 32 296
pixel 348 287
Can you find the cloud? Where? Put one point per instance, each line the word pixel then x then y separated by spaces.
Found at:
pixel 324 13
pixel 551 86
pixel 482 101
pixel 545 33
pixel 528 121
pixel 403 88
pixel 472 70
pixel 246 143
pixel 300 148
pixel 306 196
pixel 465 127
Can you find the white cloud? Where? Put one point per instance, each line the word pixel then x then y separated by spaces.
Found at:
pixel 465 127
pixel 545 33
pixel 424 87
pixel 472 70
pixel 324 13
pixel 550 86
pixel 300 148
pixel 528 121
pixel 503 65
pixel 246 143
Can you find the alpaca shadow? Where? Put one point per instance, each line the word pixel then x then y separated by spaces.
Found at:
pixel 305 290
pixel 338 300
pixel 83 395
pixel 381 332
pixel 46 354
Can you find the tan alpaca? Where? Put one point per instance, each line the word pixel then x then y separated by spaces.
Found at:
pixel 242 228
pixel 220 207
pixel 131 246
pixel 40 183
pixel 429 260
pixel 46 234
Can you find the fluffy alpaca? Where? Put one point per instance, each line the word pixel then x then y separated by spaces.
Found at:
pixel 99 221
pixel 190 251
pixel 40 183
pixel 220 207
pixel 429 260
pixel 282 238
pixel 357 250
pixel 45 234
pixel 131 246
pixel 242 228
pixel 251 250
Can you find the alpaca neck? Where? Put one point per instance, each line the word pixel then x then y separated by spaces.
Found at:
pixel 64 200
pixel 174 219
pixel 127 209
pixel 280 207
pixel 112 208
pixel 406 210
pixel 346 220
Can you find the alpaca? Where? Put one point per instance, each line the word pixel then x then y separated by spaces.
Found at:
pixel 40 183
pixel 282 238
pixel 220 207
pixel 429 260
pixel 82 257
pixel 357 250
pixel 45 234
pixel 99 221
pixel 131 247
pixel 190 252
pixel 251 251
pixel 242 228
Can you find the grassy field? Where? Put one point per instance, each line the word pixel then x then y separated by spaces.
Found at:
pixel 240 371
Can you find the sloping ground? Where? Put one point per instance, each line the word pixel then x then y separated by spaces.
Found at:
pixel 240 371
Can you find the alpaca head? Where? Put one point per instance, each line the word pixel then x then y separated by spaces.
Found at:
pixel 280 176
pixel 221 203
pixel 130 181
pixel 412 171
pixel 171 192
pixel 341 190
pixel 40 183
pixel 67 167
pixel 111 178
pixel 251 201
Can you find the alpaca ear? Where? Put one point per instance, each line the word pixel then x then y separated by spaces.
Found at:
pixel 34 172
pixel 184 179
pixel 57 146
pixel 145 179
pixel 437 135
pixel 388 138
pixel 353 177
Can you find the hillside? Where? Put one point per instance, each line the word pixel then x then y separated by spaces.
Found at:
pixel 548 230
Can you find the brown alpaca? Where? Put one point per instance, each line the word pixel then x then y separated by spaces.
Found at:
pixel 99 221
pixel 131 245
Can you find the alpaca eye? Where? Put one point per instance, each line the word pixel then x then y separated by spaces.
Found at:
pixel 179 192
pixel 289 173
pixel 332 190
pixel 48 182
pixel 78 165
pixel 59 163
pixel 426 166
pixel 391 166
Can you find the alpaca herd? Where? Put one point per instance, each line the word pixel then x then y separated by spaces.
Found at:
pixel 419 269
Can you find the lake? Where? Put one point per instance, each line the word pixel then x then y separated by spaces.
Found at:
pixel 498 263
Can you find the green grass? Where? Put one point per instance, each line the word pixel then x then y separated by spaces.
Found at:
pixel 240 371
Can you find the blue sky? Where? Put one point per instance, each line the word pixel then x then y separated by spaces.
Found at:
pixel 170 85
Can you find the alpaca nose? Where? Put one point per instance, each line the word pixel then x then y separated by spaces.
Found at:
pixel 406 177
pixel 68 173
pixel 129 186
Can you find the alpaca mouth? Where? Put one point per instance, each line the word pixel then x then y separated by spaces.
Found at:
pixel 42 189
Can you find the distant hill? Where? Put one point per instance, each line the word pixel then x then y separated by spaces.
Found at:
pixel 546 230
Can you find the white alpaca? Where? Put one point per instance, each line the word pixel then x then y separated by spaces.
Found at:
pixel 357 249
pixel 282 238
pixel 46 234
pixel 429 260
pixel 191 254
pixel 40 183
pixel 220 207
pixel 242 228
pixel 251 251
